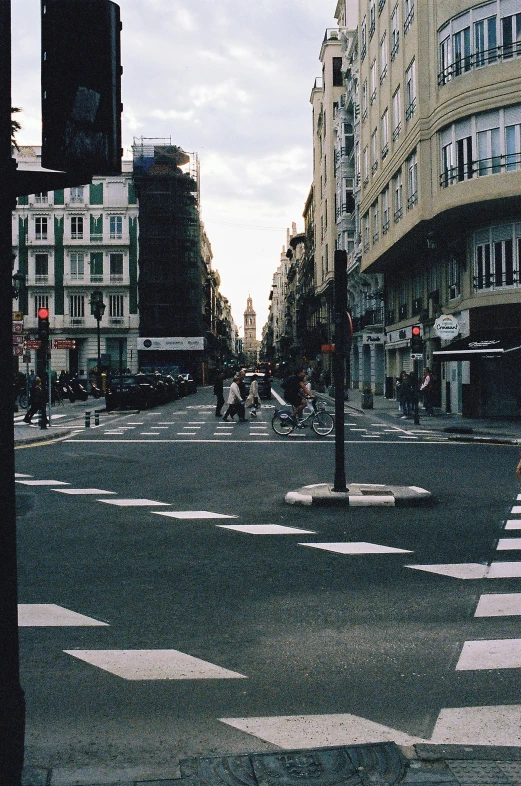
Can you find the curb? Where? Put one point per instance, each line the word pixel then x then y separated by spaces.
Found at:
pixel 359 495
pixel 37 439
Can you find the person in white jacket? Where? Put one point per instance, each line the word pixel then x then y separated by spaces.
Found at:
pixel 253 396
pixel 235 403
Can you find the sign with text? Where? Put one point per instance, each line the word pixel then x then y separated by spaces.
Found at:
pixel 32 343
pixel 183 343
pixel 373 338
pixel 446 326
pixel 64 343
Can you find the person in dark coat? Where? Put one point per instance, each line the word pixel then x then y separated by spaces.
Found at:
pixel 218 391
pixel 37 401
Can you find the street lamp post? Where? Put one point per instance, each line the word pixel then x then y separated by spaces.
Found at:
pixel 97 309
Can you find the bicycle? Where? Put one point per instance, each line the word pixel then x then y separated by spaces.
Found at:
pixel 284 423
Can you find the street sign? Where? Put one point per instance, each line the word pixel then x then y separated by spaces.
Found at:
pixel 18 316
pixel 64 343
pixel 18 339
pixel 18 327
pixel 32 343
pixel 18 350
pixel 416 356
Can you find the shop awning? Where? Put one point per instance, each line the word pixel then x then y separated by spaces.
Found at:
pixel 495 344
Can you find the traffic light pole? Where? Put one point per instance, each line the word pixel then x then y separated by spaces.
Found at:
pixel 339 363
pixel 12 702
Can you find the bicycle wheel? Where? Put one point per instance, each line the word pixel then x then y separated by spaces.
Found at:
pixel 282 423
pixel 322 423
pixel 22 400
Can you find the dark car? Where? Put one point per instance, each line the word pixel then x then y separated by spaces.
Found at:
pixel 264 385
pixel 130 391
pixel 191 386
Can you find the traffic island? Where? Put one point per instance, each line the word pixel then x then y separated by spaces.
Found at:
pixel 360 495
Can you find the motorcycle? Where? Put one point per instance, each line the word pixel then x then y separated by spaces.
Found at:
pixel 79 391
pixel 94 391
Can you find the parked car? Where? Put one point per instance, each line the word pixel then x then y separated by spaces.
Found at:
pixel 191 386
pixel 264 385
pixel 130 391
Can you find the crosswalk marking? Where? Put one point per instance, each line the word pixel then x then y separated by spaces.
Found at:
pixel 513 524
pixel 504 570
pixel 83 491
pixel 267 529
pixel 192 514
pixel 153 665
pixel 51 615
pixel 474 570
pixel 490 654
pixel 481 725
pixel 129 503
pixel 43 482
pixel 499 605
pixel 356 548
pixel 509 544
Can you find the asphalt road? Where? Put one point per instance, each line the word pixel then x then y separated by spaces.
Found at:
pixel 278 626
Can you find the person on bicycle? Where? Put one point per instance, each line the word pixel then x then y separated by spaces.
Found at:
pixel 298 395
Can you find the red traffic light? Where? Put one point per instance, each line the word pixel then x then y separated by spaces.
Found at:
pixel 416 330
pixel 43 313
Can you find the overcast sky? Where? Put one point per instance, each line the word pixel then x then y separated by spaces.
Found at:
pixel 231 81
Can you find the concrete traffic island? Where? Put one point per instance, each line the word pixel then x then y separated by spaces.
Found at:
pixel 361 495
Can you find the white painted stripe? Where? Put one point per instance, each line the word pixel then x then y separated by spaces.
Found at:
pixel 516 509
pixel 21 475
pixel 490 654
pixel 294 498
pixel 129 503
pixel 51 615
pixel 153 665
pixel 499 605
pixel 193 514
pixel 465 570
pixel 419 489
pixel 42 482
pixel 371 500
pixel 83 491
pixel 318 731
pixel 513 524
pixel 149 433
pixel 356 548
pixel 509 544
pixel 504 570
pixel 518 497
pixel 267 529
pixel 406 436
pixel 493 725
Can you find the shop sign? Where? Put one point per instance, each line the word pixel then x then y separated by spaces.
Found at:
pixel 172 343
pixel 446 326
pixel 373 338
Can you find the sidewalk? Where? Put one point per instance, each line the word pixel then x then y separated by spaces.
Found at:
pixel 504 430
pixel 65 419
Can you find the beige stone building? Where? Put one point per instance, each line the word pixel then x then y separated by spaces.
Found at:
pixel 440 173
pixel 250 345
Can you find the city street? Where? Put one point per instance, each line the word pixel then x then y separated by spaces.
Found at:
pixel 173 605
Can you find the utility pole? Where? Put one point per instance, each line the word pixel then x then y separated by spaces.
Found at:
pixel 339 363
pixel 12 701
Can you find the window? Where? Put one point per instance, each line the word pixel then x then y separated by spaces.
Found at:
pixel 397 113
pixel 366 165
pixel 77 266
pixel 116 267
pixel 372 17
pixel 363 39
pixel 402 301
pixel 511 35
pixel 337 72
pixel 96 266
pixel 383 57
pixel 410 91
pixel 116 227
pixel 41 198
pixel 116 306
pixel 485 41
pixel 374 218
pixel 77 228
pixel 40 228
pixel 365 231
pixel 453 277
pixel 412 181
pixel 386 221
pixel 384 132
pixel 40 301
pixel 364 99
pixel 398 196
pixel 496 257
pixel 373 81
pixel 41 268
pixel 77 306
pixel 461 49
pixel 374 151
pixel 395 32
pixel 76 194
pixel 408 14
pixel 447 164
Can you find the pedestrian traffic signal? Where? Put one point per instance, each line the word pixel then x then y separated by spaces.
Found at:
pixel 43 324
pixel 416 340
pixel 81 86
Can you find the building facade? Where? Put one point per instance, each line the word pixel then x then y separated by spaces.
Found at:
pixel 440 141
pixel 250 345
pixel 68 244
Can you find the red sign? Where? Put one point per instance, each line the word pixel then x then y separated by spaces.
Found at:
pixel 18 350
pixel 64 343
pixel 327 348
pixel 17 339
pixel 33 343
pixel 18 327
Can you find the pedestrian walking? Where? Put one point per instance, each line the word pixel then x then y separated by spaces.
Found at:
pixel 37 402
pixel 218 390
pixel 253 401
pixel 235 402
pixel 405 394
pixel 426 390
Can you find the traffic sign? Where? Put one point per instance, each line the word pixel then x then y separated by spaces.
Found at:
pixel 64 343
pixel 32 343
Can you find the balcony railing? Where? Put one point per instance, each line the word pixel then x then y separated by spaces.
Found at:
pixel 395 47
pixel 410 109
pixel 478 60
pixel 508 162
pixel 408 19
pixel 397 131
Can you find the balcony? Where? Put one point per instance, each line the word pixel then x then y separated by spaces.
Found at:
pixel 478 59
pixel 482 168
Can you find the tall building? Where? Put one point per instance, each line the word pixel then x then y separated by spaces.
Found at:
pixel 440 169
pixel 70 243
pixel 250 345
